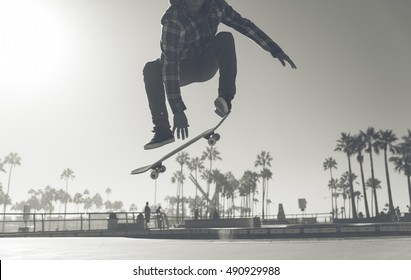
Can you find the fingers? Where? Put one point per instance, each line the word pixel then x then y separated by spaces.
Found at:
pixel 283 58
pixel 181 132
pixel 286 58
pixel 184 133
pixel 293 66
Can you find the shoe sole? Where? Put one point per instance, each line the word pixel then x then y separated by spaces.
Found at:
pixel 158 145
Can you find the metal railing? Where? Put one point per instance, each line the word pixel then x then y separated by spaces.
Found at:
pixel 48 222
pixel 43 222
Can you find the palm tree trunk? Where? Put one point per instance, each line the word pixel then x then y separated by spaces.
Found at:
pixel 336 204
pixel 387 175
pixel 262 202
pixel 332 194
pixel 367 211
pixel 65 206
pixel 354 210
pixel 178 201
pixel 6 199
pixel 208 189
pixel 409 187
pixel 266 204
pixel 232 206
pixel 374 188
pixel 195 202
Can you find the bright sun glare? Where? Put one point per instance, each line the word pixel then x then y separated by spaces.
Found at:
pixel 33 45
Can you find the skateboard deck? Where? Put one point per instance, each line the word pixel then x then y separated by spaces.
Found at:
pixel 157 167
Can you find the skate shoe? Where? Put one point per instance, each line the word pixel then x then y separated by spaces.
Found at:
pixel 161 137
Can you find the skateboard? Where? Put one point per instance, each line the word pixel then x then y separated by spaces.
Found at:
pixel 157 167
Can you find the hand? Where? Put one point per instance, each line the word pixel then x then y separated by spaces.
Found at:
pixel 181 125
pixel 282 57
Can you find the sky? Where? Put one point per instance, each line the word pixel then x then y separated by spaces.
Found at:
pixel 72 95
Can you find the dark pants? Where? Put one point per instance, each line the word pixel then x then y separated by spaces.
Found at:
pixel 220 55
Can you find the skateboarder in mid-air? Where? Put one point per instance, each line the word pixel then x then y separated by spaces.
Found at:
pixel 193 51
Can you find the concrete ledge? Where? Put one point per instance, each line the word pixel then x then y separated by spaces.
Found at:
pixel 224 223
pixel 275 232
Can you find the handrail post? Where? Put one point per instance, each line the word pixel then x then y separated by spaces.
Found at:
pixel 42 222
pixel 34 222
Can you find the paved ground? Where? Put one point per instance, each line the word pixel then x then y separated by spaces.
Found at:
pixel 382 248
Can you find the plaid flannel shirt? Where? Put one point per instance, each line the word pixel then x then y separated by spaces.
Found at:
pixel 185 37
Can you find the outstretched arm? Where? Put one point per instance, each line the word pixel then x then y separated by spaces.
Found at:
pixel 246 27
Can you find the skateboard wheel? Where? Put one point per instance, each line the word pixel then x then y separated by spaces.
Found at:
pixel 211 141
pixel 162 169
pixel 154 175
pixel 217 136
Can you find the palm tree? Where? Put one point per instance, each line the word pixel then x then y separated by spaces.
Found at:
pixel 268 203
pixel 345 144
pixel 178 177
pixel 371 138
pixel 182 158
pixel 133 208
pixel 34 201
pixel 255 201
pixel 1 194
pixel 344 186
pixel 221 183
pixel 359 147
pixel 66 175
pixel 12 159
pixel 97 201
pixel 268 175
pixel 374 184
pixel 231 189
pixel 77 200
pixel 47 198
pixel 263 159
pixel 212 154
pixel 331 164
pixel 357 196
pixel 402 163
pixel 333 186
pixel 87 202
pixel 196 164
pixel 2 166
pixel 108 192
pixel 58 198
pixel 386 144
pixel 2 198
pixel 108 205
pixel 118 205
pixel 248 187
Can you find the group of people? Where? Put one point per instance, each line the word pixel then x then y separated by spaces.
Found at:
pixel 159 216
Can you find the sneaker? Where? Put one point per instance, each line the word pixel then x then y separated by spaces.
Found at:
pixel 222 106
pixel 161 138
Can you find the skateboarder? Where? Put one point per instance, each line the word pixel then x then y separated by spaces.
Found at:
pixel 193 51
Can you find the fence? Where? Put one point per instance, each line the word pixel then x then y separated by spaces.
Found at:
pixel 46 222
pixel 42 222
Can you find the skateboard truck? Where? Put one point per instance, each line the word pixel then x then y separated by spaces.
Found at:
pixel 157 167
pixel 157 170
pixel 212 138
